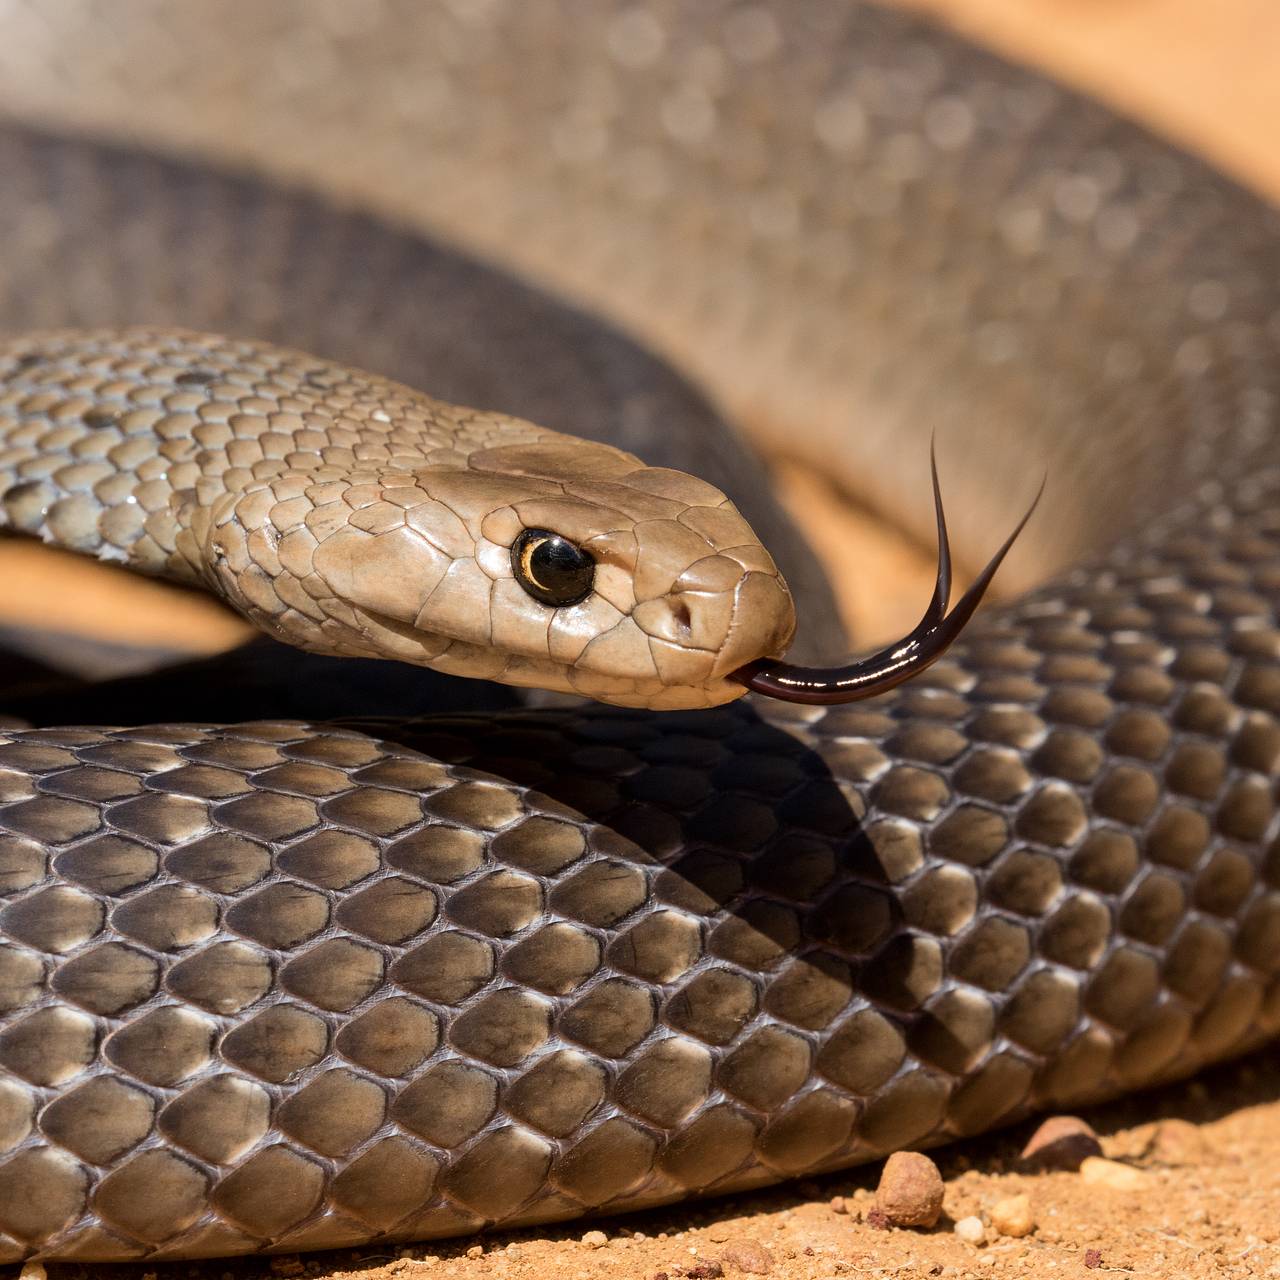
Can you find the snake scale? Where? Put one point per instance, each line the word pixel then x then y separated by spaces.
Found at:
pixel 277 986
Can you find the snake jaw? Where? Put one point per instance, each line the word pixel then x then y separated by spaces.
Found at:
pixel 900 661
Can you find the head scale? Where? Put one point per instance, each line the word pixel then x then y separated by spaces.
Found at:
pixel 548 562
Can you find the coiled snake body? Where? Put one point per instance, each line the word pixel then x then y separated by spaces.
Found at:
pixel 277 986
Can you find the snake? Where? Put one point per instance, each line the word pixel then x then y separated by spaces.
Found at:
pixel 287 985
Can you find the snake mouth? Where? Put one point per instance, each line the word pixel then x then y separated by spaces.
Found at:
pixel 900 661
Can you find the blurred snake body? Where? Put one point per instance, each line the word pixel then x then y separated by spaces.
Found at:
pixel 271 985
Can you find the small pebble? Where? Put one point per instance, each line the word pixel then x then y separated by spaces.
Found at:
pixel 1098 1172
pixel 595 1239
pixel 748 1257
pixel 839 1204
pixel 32 1271
pixel 1093 1259
pixel 910 1191
pixel 476 1251
pixel 1012 1216
pixel 972 1231
pixel 1061 1142
pixel 1175 1143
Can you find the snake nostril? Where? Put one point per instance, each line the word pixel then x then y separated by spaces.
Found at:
pixel 682 618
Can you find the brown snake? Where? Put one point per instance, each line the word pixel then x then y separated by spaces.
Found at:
pixel 276 986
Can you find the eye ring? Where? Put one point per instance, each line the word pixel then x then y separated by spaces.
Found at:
pixel 553 570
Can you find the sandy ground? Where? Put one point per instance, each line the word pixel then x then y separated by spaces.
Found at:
pixel 1206 1201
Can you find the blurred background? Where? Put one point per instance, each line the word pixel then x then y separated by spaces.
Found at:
pixel 1201 73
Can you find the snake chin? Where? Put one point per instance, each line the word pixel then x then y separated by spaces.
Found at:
pixel 386 637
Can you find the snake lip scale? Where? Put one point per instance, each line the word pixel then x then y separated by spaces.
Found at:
pixel 287 963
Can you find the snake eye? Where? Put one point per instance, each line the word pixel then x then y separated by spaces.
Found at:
pixel 550 568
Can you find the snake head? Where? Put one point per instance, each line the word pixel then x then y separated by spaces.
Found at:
pixel 547 562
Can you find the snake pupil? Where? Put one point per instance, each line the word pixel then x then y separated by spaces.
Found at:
pixel 550 568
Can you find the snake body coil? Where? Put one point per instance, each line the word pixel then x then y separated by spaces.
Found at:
pixel 273 985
